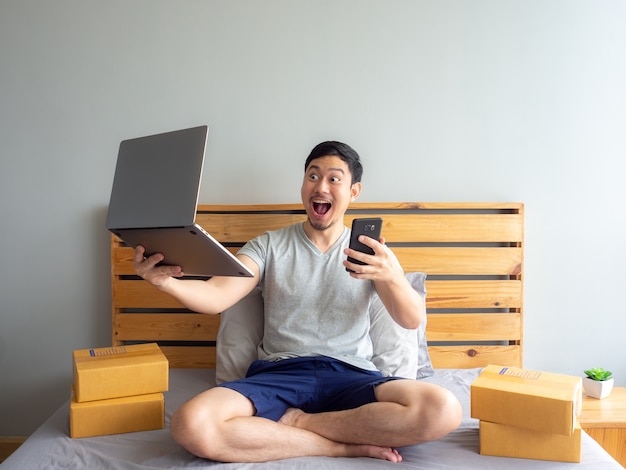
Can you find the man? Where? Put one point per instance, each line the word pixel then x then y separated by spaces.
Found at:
pixel 315 390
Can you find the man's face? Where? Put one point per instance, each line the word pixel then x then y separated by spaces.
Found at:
pixel 327 190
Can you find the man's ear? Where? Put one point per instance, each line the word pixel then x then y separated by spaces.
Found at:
pixel 355 191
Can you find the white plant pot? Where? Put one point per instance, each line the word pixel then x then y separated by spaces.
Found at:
pixel 597 388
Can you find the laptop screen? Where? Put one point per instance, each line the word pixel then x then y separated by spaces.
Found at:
pixel 157 180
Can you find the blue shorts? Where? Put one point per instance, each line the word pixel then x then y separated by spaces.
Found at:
pixel 312 384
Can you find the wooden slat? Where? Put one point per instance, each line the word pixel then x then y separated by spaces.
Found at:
pixel 450 206
pixel 190 356
pixel 463 357
pixel 441 294
pixel 238 228
pixel 247 208
pixel 474 327
pixel 166 327
pixel 137 293
pixel 460 261
pixel 397 228
pixel 457 228
pixel 432 260
pixel 122 259
pixel 474 294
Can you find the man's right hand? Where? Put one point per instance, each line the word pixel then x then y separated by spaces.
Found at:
pixel 147 268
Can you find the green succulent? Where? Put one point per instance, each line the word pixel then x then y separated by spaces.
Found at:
pixel 598 373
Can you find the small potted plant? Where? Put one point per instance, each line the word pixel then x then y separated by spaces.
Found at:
pixel 598 383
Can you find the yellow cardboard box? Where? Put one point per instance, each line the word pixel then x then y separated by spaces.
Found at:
pixel 540 401
pixel 121 371
pixel 507 441
pixel 116 415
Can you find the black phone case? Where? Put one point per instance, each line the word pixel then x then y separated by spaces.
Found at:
pixel 370 227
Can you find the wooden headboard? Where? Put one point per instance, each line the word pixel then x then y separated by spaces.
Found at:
pixel 472 253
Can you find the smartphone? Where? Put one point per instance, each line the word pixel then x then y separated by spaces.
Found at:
pixel 368 227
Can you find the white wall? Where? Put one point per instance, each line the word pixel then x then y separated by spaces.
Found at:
pixel 446 101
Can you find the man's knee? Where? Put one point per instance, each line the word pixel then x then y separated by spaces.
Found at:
pixel 430 412
pixel 192 430
pixel 198 425
pixel 443 413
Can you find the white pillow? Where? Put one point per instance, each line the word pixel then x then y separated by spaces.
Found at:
pixel 239 335
pixel 397 351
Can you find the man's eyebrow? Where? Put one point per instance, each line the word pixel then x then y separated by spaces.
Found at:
pixel 317 167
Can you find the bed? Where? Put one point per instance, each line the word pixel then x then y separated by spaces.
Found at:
pixel 473 254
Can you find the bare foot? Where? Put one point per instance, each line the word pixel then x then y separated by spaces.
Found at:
pixel 292 416
pixel 376 452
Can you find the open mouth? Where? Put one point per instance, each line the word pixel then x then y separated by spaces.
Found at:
pixel 321 207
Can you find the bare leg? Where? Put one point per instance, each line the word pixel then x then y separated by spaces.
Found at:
pixel 218 424
pixel 407 412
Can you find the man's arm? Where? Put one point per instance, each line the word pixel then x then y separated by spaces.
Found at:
pixel 404 304
pixel 211 296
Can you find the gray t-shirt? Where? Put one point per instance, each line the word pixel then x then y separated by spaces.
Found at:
pixel 313 307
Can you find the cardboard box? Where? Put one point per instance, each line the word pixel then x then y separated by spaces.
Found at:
pixel 534 400
pixel 116 415
pixel 507 441
pixel 121 371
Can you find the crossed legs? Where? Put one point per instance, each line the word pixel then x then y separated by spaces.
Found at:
pixel 219 424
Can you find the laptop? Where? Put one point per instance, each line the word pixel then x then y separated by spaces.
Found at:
pixel 154 201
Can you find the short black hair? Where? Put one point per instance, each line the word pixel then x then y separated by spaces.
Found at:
pixel 341 150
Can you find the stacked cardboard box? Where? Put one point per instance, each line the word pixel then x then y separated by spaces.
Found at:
pixel 528 414
pixel 118 390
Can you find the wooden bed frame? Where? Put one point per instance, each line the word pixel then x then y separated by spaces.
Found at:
pixel 472 253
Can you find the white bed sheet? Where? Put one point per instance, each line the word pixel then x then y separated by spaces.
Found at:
pixel 50 447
